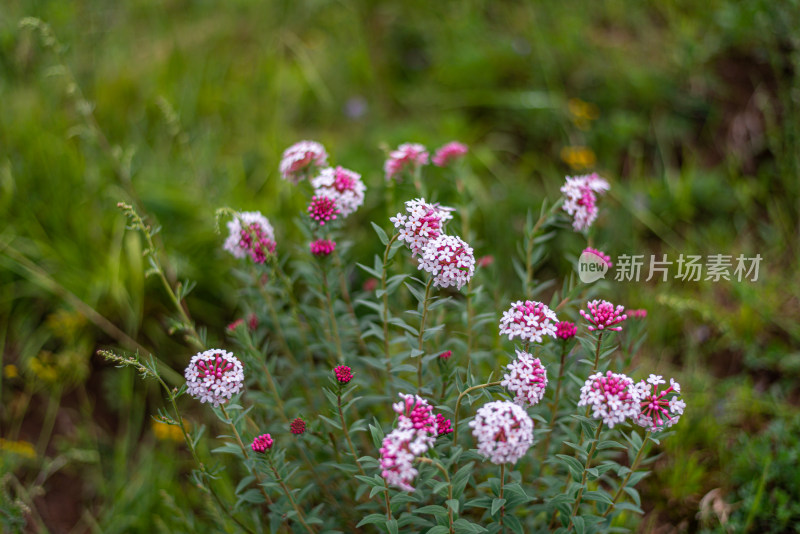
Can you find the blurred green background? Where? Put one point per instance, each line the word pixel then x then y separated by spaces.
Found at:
pixel 690 109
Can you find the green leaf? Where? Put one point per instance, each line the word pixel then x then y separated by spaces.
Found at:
pixel 381 234
pixel 580 526
pixel 497 504
pixel 514 524
pixel 453 504
pixel 466 527
pixel 574 466
pixel 599 496
pixel 439 529
pixel 433 509
pixel 392 526
pixel 634 495
pixel 372 518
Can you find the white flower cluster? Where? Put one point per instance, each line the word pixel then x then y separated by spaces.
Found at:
pixel 612 397
pixel 214 376
pixel 344 186
pixel 659 409
pixel 300 158
pixel 421 223
pixel 415 433
pixel 234 242
pixel 530 320
pixel 580 200
pixel 449 260
pixel 503 430
pixel 527 378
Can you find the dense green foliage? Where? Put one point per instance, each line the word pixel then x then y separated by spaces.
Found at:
pixel 690 110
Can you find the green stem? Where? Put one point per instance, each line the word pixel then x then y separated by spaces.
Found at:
pixel 634 465
pixel 597 352
pixel 386 306
pixel 585 473
pixel 347 434
pixel 554 406
pixel 253 471
pixel 458 405
pixel 49 421
pixel 332 314
pixel 349 302
pixel 529 245
pixel 502 484
pixel 449 487
pixel 288 494
pixel 422 333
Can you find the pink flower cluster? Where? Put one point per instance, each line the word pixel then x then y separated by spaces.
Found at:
pixel 443 426
pixel 612 397
pixel 343 374
pixel 449 153
pixel 297 426
pixel 323 209
pixel 214 376
pixel 604 316
pixel 301 160
pixel 250 233
pixel 422 223
pixel 341 185
pixel 659 409
pixel 322 247
pixel 579 198
pixel 637 314
pixel 530 320
pixel 407 157
pixel 446 355
pixel 527 378
pixel 565 330
pixel 449 260
pixel 415 434
pixel 262 443
pixel 605 258
pixel 503 430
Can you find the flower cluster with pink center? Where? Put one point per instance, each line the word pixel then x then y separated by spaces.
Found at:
pixel 450 152
pixel 301 160
pixel 446 355
pixel 604 316
pixel 526 378
pixel 344 186
pixel 407 157
pixel 415 434
pixel 323 209
pixel 250 233
pixel 565 330
pixel 659 409
pixel 449 260
pixel 421 223
pixel 612 397
pixel 322 247
pixel 580 200
pixel 262 443
pixel 214 376
pixel 605 258
pixel 343 374
pixel 504 431
pixel 297 426
pixel 530 320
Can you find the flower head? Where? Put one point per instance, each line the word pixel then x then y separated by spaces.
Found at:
pixel 343 186
pixel 580 199
pixel 322 247
pixel 612 397
pixel 659 409
pixel 604 316
pixel 485 261
pixel 297 426
pixel 530 320
pixel 416 432
pixel 301 159
pixel 262 443
pixel 449 260
pixel 250 233
pixel 343 374
pixel 503 430
pixel 214 376
pixel 449 153
pixel 602 256
pixel 323 209
pixel 446 355
pixel 415 412
pixel 422 223
pixel 443 426
pixel 526 377
pixel 407 157
pixel 565 330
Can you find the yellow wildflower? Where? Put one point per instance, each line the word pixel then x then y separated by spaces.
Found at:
pixel 578 157
pixel 22 448
pixel 582 113
pixel 167 432
pixel 10 371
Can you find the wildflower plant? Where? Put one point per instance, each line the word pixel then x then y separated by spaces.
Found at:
pixel 502 433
